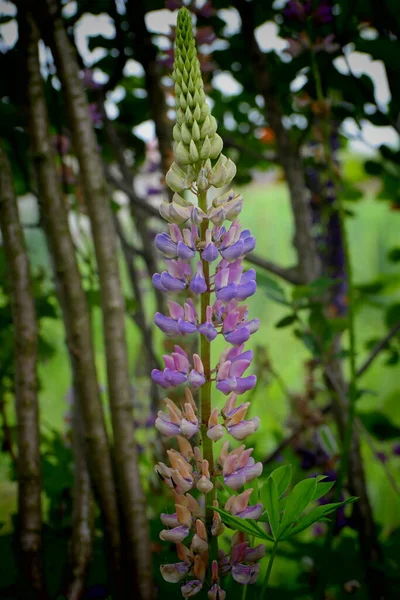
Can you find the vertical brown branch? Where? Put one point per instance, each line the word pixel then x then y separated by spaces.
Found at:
pixel 71 296
pixel 80 551
pixel 26 388
pixel 133 501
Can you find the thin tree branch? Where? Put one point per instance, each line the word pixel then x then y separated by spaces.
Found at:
pixel 26 388
pixel 377 349
pixel 81 545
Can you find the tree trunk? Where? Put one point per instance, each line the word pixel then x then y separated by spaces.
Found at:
pixel 26 388
pixel 72 301
pixel 133 501
pixel 80 551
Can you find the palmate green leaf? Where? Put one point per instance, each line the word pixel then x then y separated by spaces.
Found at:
pixel 282 477
pixel 322 489
pixel 297 501
pixel 317 514
pixel 246 525
pixel 270 501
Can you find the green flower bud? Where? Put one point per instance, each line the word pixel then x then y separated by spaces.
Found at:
pixel 216 145
pixel 182 101
pixel 194 153
pixel 189 99
pixel 176 133
pixel 176 179
pixel 197 113
pixel 195 131
pixel 185 133
pixel 182 154
pixel 205 151
pixel 202 179
pixel 227 197
pixel 213 125
pixel 189 117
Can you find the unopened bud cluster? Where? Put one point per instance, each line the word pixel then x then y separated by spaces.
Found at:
pixel 204 256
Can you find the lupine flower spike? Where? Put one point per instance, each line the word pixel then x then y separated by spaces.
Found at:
pixel 204 256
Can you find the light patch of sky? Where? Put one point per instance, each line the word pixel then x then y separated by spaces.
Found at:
pixel 8 31
pixel 232 20
pixel 133 67
pixel 146 131
pixel 226 84
pixel 160 21
pixel 361 63
pixel 69 9
pixel 88 26
pixel 268 38
pixel 298 82
pixel 370 137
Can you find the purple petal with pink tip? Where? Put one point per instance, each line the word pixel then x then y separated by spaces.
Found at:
pixel 195 379
pixel 233 252
pixel 166 324
pixel 238 336
pixel 251 512
pixel 191 588
pixel 165 245
pixel 158 377
pixel 210 253
pixel 245 574
pixel 198 284
pixel 157 283
pixel 208 331
pixel 172 284
pixel 244 384
pixel 227 293
pixel 184 252
pixel 246 290
pixel 174 378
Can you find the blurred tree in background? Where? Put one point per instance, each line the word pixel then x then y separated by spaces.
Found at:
pixel 86 116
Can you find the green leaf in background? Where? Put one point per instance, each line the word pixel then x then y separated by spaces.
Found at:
pixel 394 254
pixel 272 289
pixel 322 488
pixel 282 477
pixel 317 514
pixel 270 501
pixel 286 321
pixel 297 501
pixel 392 316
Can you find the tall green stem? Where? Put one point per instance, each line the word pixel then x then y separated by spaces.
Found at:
pixel 269 569
pixel 205 390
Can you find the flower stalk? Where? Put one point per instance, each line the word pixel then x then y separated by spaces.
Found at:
pixel 205 257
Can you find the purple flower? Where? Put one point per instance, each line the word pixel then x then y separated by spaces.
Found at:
pixel 245 574
pixel 191 588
